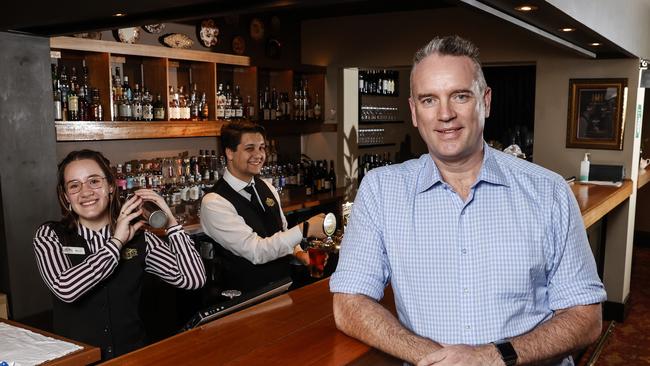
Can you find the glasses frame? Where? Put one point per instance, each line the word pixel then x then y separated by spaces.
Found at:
pixel 100 184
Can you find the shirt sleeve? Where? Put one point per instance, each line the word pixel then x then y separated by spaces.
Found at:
pixel 220 221
pixel 363 264
pixel 66 281
pixel 177 262
pixel 573 278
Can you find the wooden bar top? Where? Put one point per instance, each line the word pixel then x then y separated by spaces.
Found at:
pixel 296 328
pixel 86 356
pixel 596 201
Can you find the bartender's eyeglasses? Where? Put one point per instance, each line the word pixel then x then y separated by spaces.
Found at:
pixel 94 182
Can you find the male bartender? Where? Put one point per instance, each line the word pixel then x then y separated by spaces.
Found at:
pixel 242 213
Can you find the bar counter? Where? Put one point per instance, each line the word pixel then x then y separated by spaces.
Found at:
pixel 297 328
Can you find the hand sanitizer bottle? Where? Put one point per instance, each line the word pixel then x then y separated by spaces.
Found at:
pixel 584 168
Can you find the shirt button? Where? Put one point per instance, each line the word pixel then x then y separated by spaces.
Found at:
pixel 105 329
pixel 465 290
pixel 464 251
pixel 109 349
pixel 468 327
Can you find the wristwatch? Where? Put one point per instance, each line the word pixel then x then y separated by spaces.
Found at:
pixel 507 351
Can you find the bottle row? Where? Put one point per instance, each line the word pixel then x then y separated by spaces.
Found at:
pixel 187 178
pixel 371 136
pixel 379 82
pixel 74 98
pixel 367 162
pixel 379 113
pixel 312 175
pixel 277 105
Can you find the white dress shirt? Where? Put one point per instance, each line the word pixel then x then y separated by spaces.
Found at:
pixel 220 221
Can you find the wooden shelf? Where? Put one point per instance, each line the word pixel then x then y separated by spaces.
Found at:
pixel 293 127
pixel 108 130
pixel 91 45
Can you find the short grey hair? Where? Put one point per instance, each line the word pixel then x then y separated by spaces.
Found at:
pixel 452 46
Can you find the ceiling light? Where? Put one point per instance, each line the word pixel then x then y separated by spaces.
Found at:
pixel 595 44
pixel 526 8
pixel 567 29
pixel 119 14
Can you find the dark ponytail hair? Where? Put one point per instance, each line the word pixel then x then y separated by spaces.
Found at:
pixel 70 218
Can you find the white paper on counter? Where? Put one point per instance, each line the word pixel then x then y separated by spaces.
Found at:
pixel 22 347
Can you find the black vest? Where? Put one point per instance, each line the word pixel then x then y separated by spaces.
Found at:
pixel 239 273
pixel 107 315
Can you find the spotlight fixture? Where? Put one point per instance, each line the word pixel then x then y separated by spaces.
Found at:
pixel 119 14
pixel 526 8
pixel 567 29
pixel 595 44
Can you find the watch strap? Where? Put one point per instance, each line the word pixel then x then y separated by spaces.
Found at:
pixel 507 351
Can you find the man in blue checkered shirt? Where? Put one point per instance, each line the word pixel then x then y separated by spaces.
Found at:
pixel 487 254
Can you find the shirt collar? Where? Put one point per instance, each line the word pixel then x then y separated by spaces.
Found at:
pixel 490 171
pixel 234 182
pixel 90 234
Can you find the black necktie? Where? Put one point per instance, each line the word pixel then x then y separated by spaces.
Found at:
pixel 254 200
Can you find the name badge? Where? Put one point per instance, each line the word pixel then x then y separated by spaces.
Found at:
pixel 270 202
pixel 74 250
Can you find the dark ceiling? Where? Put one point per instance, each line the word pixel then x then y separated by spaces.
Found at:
pixel 67 17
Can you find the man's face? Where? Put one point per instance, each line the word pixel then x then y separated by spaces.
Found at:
pixel 248 159
pixel 446 108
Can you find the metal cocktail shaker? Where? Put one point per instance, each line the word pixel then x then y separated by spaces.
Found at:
pixel 155 217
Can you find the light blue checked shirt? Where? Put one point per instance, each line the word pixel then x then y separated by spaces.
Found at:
pixel 470 272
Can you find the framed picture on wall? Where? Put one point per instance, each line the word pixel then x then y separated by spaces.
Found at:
pixel 595 117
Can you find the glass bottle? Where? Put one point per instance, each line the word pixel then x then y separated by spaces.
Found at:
pixel 159 109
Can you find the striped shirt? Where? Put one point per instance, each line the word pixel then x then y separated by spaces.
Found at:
pixel 491 267
pixel 176 262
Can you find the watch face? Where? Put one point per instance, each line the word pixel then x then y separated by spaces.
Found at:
pixel 257 29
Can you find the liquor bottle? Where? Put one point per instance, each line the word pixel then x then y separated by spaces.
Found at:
pixel 56 88
pixel 147 106
pixel 205 108
pixel 266 107
pixel 82 107
pixel 174 107
pixel 184 103
pixel 332 176
pixel 273 112
pixel 221 103
pixel 249 109
pixel 95 110
pixel 238 104
pixel 137 104
pixel 125 111
pixel 73 105
pixel 195 105
pixel 64 86
pixel 159 109
pixel 228 112
pixel 317 109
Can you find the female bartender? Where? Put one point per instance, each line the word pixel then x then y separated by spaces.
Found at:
pixel 93 260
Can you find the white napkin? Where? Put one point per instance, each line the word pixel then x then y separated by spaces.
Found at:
pixel 20 346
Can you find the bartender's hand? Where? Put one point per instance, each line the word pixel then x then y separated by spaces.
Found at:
pixel 149 195
pixel 301 255
pixel 124 230
pixel 316 226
